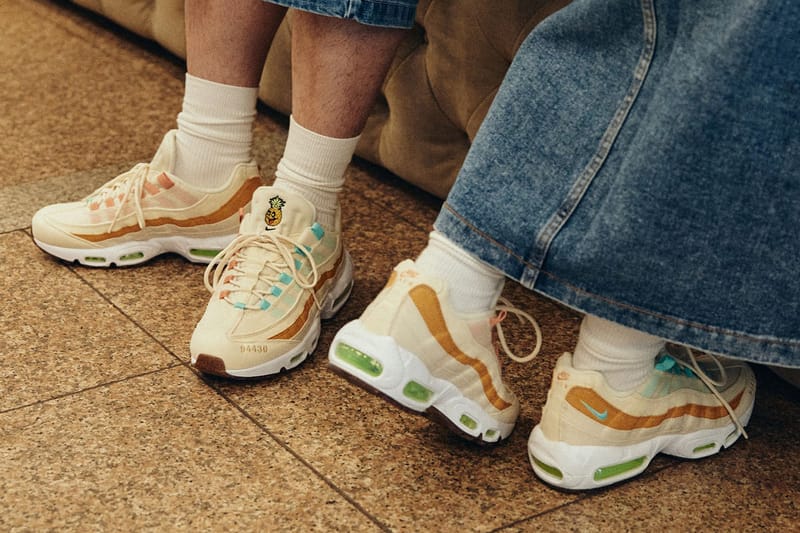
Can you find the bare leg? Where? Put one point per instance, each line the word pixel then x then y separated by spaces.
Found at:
pixel 338 67
pixel 227 42
pixel 226 45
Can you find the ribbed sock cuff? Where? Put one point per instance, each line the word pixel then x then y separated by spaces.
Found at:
pixel 215 131
pixel 623 355
pixel 314 165
pixel 473 285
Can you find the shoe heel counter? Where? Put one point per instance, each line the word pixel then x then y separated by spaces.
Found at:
pixel 552 412
pixel 378 315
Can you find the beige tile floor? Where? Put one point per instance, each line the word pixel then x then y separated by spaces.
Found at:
pixel 103 426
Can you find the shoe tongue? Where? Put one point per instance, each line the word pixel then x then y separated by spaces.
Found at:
pixel 280 211
pixel 164 159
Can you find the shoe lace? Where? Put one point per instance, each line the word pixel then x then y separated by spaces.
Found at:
pixel 503 310
pixel 693 367
pixel 128 185
pixel 235 265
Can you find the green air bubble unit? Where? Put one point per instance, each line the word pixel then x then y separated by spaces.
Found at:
pixel 130 257
pixel 91 259
pixel 204 253
pixel 468 422
pixel 417 392
pixel 359 360
pixel 551 470
pixel 705 447
pixel 616 470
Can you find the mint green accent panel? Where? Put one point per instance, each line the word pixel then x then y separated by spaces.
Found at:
pixel 317 230
pixel 204 253
pixel 276 291
pixel 417 392
pixel 468 422
pixel 264 305
pixel 239 305
pixel 285 278
pixel 297 264
pixel 359 359
pixel 129 257
pixel 665 363
pixel 551 470
pixel 619 469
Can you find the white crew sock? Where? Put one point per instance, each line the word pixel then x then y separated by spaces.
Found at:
pixel 313 165
pixel 473 285
pixel 215 131
pixel 625 356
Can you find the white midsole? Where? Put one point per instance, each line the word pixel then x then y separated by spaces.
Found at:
pixel 578 464
pixel 400 367
pixel 135 252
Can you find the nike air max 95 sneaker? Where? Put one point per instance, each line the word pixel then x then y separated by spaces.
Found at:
pixel 412 347
pixel 591 435
pixel 270 288
pixel 145 212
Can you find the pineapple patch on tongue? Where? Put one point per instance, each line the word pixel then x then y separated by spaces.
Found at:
pixel 257 274
pixel 274 210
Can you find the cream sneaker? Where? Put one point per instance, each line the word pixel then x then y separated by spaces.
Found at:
pixel 145 212
pixel 591 435
pixel 271 286
pixel 411 346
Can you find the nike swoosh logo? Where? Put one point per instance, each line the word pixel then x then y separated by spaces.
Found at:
pixel 595 412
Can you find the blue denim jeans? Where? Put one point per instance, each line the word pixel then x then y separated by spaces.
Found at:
pixel 641 162
pixel 385 13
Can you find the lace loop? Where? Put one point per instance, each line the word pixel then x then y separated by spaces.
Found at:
pixel 712 384
pixel 503 310
pixel 235 266
pixel 122 188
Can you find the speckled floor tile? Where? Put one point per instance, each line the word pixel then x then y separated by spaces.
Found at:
pixel 159 452
pixel 382 188
pixel 58 335
pixel 72 101
pixel 20 201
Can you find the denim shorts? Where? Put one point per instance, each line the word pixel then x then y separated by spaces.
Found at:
pixel 384 13
pixel 641 162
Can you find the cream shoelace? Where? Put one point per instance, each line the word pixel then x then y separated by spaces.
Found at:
pixel 258 276
pixel 712 385
pixel 503 309
pixel 128 185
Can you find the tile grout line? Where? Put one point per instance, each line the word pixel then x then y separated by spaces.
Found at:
pixel 293 453
pixel 144 330
pixel 236 406
pixel 582 497
pixel 90 388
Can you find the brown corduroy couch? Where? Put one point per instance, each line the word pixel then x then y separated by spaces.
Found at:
pixel 437 92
